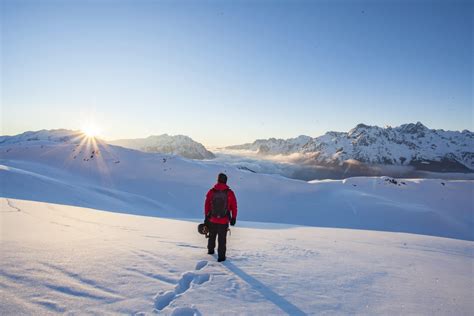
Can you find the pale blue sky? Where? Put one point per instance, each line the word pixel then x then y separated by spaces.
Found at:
pixel 228 72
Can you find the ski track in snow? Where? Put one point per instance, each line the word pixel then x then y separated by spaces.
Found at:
pixel 80 279
pixel 153 275
pixel 10 204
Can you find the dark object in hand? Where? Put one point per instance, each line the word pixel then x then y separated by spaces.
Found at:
pixel 232 221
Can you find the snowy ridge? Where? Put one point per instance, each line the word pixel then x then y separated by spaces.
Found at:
pixel 43 136
pixel 274 146
pixel 165 144
pixel 408 144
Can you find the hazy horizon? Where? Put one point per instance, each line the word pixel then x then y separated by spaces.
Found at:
pixel 216 146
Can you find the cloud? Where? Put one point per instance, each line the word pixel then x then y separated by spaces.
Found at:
pixel 256 164
pixel 304 167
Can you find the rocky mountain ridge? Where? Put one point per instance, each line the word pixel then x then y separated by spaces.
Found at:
pixel 408 144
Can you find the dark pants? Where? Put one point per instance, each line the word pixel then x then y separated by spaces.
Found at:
pixel 219 231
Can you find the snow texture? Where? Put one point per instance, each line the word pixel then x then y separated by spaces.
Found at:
pixel 64 259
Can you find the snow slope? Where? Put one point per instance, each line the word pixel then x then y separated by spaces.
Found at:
pixel 63 259
pixel 408 144
pixel 105 177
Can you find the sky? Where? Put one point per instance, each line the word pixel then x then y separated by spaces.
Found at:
pixel 230 72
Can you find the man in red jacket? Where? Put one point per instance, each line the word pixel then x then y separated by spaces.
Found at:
pixel 220 208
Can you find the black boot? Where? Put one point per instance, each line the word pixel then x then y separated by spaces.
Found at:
pixel 220 259
pixel 211 242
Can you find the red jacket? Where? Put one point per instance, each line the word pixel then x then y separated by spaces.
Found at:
pixel 231 204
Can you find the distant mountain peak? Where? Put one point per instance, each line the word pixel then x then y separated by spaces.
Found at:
pixel 414 128
pixel 408 144
pixel 53 135
pixel 180 145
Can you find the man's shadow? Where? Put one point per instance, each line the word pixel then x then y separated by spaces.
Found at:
pixel 266 292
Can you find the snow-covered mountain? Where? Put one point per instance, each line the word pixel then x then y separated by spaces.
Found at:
pixel 275 146
pixel 60 258
pixel 91 173
pixel 176 145
pixel 408 144
pixel 43 136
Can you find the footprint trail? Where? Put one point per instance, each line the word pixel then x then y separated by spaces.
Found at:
pixel 163 300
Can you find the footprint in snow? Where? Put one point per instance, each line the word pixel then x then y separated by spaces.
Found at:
pixel 201 264
pixel 185 311
pixel 164 299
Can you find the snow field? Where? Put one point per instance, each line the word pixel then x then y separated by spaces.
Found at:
pixel 64 259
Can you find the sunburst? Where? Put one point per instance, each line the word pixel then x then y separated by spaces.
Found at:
pixel 90 130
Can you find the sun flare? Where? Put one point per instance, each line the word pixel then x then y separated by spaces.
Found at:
pixel 90 130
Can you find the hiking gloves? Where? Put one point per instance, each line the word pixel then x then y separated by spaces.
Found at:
pixel 232 221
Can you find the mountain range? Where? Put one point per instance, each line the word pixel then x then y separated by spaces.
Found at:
pixel 65 167
pixel 165 144
pixel 406 145
pixel 380 245
pixel 361 148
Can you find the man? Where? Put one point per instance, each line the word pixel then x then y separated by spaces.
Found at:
pixel 220 208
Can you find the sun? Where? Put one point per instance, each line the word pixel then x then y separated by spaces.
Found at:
pixel 90 130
